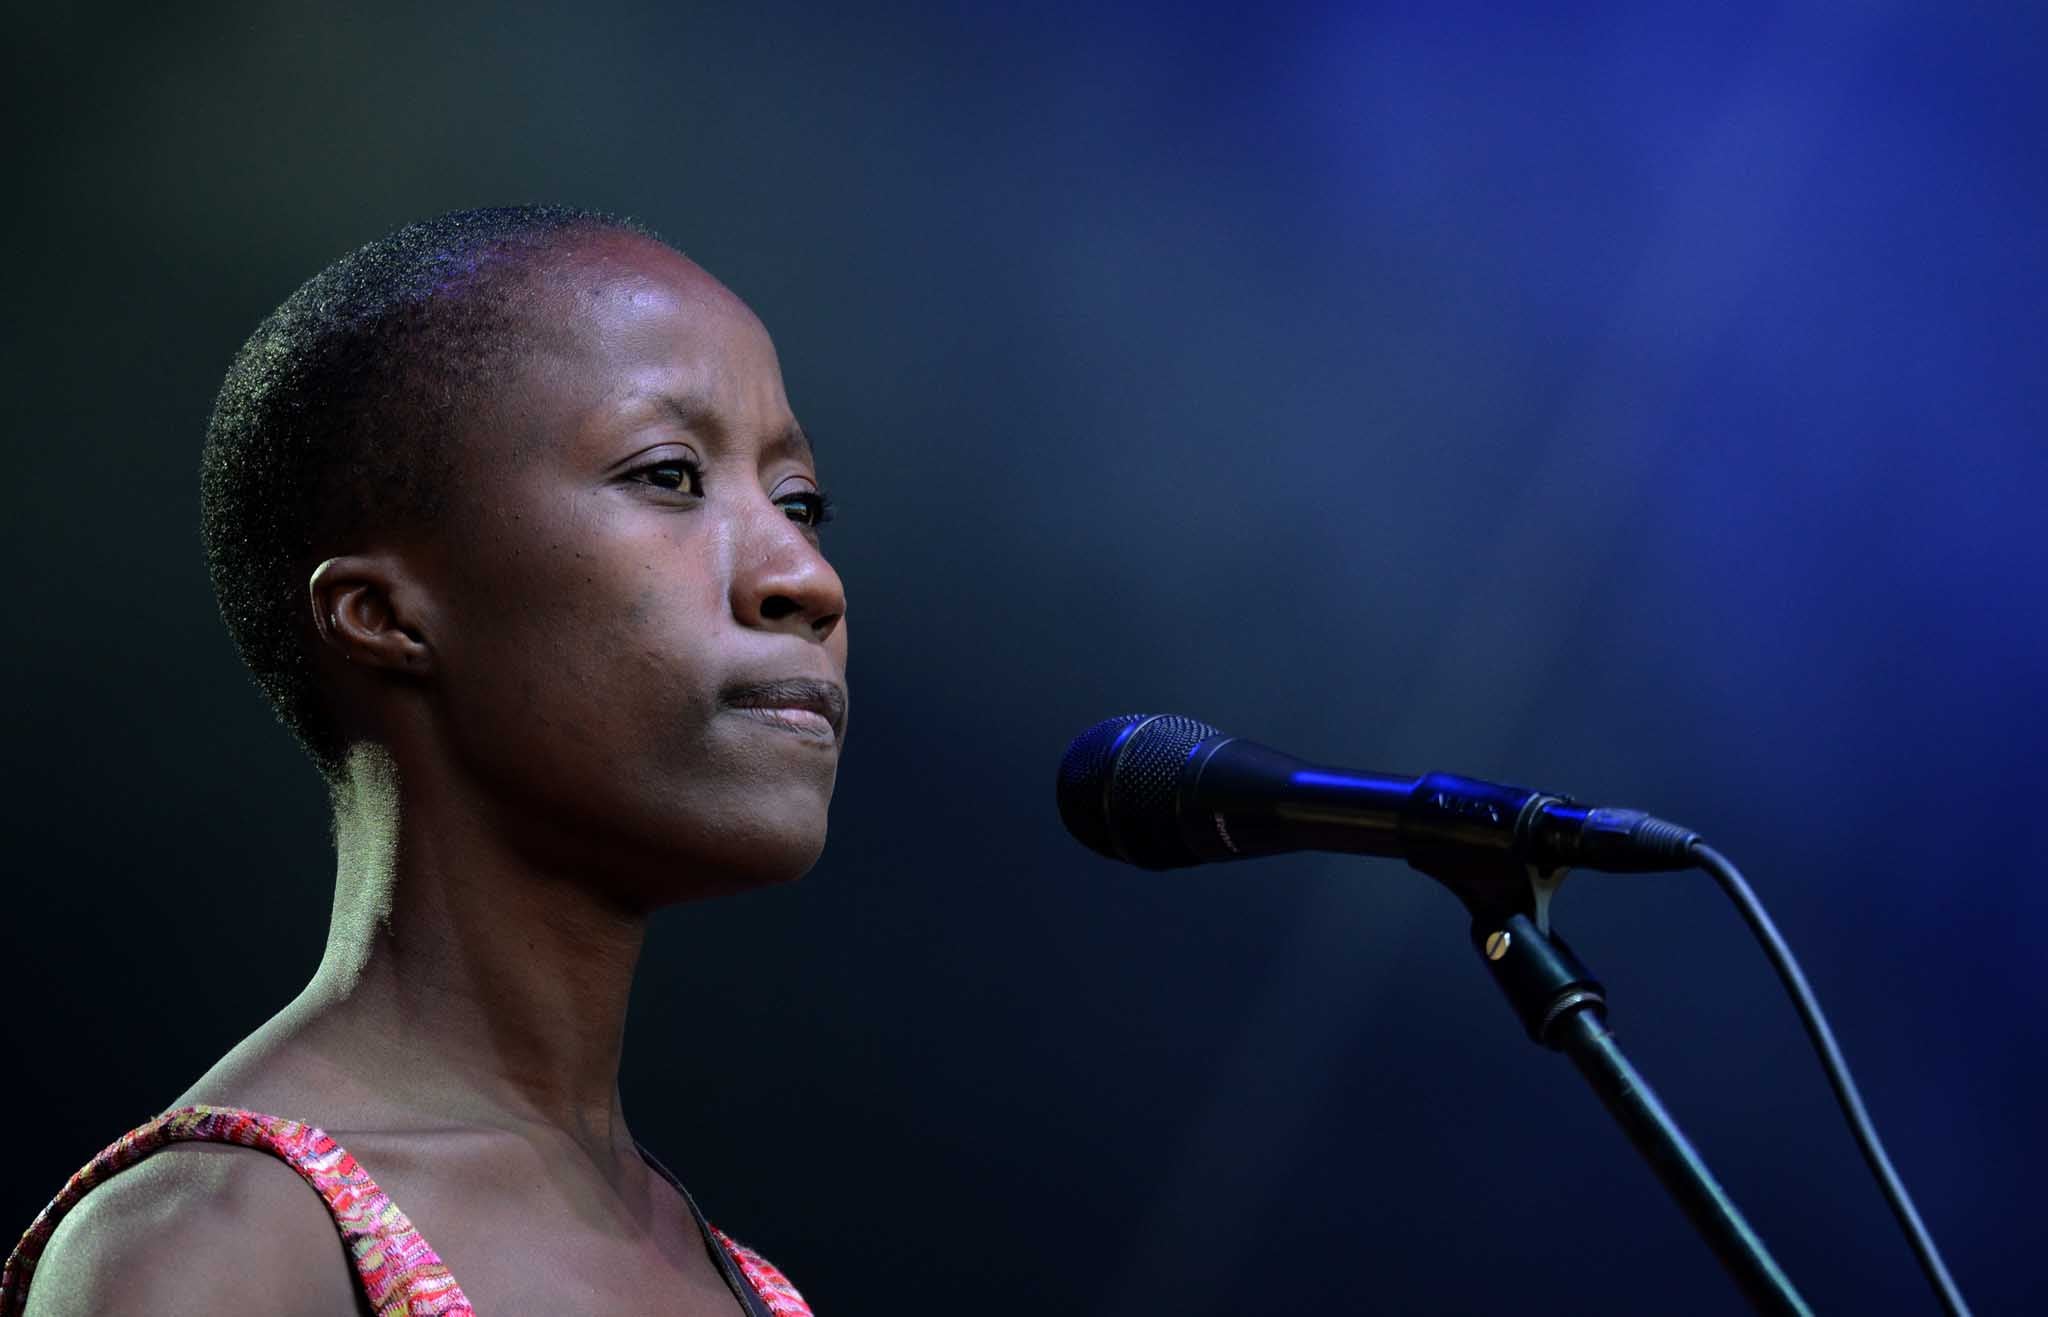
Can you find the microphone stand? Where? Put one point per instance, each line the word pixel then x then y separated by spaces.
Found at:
pixel 1564 1008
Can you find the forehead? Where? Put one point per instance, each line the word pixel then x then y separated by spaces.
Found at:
pixel 622 324
pixel 614 278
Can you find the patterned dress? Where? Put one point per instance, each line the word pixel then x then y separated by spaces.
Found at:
pixel 398 1273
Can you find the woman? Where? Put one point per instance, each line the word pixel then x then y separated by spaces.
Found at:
pixel 511 520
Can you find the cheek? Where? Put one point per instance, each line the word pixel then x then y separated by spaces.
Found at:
pixel 589 648
pixel 583 695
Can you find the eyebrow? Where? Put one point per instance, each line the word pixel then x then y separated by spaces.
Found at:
pixel 694 413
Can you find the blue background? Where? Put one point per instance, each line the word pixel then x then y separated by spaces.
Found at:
pixel 1644 401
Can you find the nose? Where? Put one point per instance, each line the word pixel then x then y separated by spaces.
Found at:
pixel 781 581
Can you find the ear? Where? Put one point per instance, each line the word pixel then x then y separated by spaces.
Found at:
pixel 369 611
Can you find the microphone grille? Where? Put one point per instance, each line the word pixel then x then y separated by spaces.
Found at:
pixel 1117 787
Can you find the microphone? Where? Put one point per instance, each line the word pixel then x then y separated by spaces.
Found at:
pixel 1164 792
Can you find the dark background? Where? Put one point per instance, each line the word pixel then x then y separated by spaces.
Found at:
pixel 1643 401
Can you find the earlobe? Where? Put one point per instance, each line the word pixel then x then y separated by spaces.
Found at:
pixel 364 609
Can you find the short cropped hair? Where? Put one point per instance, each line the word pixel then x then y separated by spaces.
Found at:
pixel 338 418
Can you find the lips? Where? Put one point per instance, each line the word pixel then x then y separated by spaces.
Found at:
pixel 802 705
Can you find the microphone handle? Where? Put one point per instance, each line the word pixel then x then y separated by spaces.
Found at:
pixel 1240 799
pixel 1237 799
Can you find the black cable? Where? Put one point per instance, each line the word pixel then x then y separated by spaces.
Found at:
pixel 1837 1069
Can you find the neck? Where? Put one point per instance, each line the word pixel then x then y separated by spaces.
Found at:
pixel 488 990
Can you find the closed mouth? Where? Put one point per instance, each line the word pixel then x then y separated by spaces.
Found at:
pixel 811 708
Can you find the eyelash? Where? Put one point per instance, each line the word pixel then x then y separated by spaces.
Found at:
pixel 816 504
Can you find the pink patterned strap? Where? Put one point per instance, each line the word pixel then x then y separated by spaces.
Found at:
pixel 777 1294
pixel 400 1275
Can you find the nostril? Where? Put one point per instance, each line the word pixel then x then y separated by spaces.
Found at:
pixel 778 606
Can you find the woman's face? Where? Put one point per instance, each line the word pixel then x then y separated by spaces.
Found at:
pixel 641 649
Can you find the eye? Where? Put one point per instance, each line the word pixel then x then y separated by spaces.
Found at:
pixel 809 508
pixel 675 473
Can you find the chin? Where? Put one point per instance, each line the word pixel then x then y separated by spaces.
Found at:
pixel 762 849
pixel 785 861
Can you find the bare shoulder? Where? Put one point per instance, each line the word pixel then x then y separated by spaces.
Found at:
pixel 196 1228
